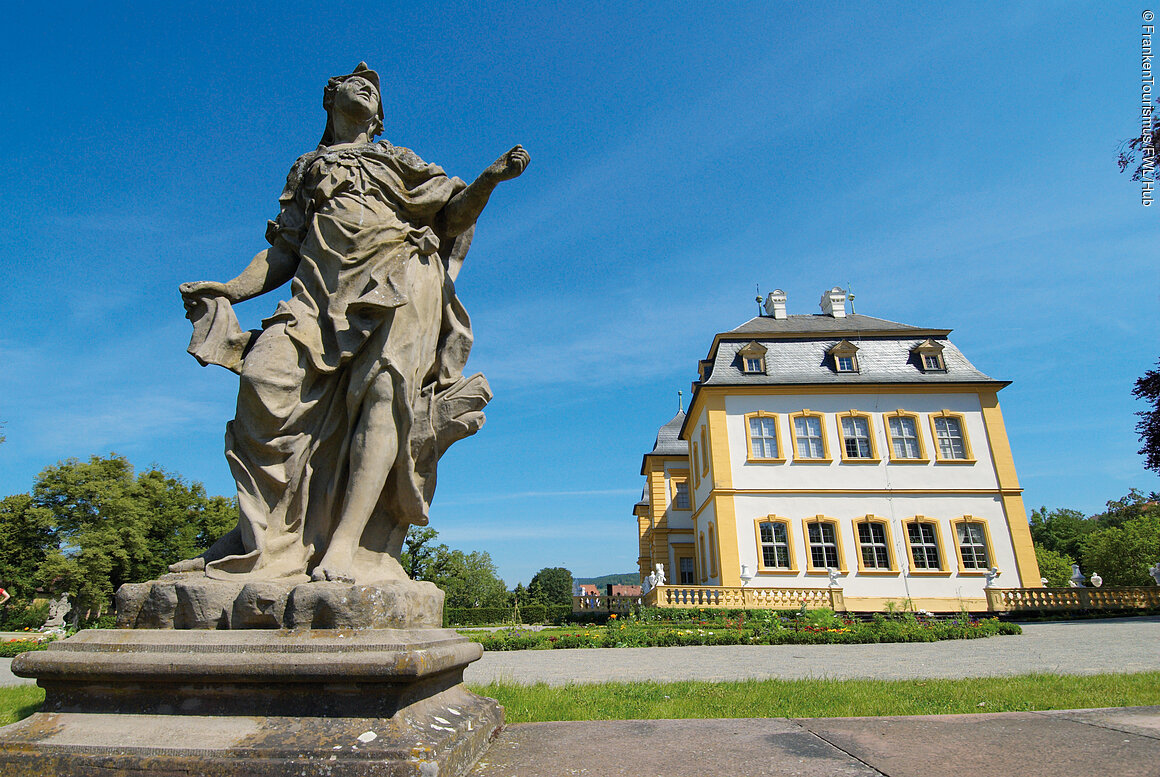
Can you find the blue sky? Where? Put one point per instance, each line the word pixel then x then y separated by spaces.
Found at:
pixel 954 163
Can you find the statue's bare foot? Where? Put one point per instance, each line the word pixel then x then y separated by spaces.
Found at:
pixel 332 573
pixel 189 565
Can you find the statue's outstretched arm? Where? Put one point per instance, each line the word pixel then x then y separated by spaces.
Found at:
pixel 267 271
pixel 463 209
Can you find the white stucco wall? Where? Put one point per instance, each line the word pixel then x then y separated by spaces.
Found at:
pixel 840 474
pixel 894 509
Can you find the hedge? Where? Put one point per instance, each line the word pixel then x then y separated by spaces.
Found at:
pixel 774 631
pixel 490 616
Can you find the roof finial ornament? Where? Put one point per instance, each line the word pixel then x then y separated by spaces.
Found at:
pixel 850 296
pixel 758 299
pixel 680 401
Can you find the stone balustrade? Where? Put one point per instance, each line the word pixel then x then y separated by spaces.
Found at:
pixel 742 597
pixel 1034 599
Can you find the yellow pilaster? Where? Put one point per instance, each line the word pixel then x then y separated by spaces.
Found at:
pixel 721 472
pixel 658 508
pixel 1012 501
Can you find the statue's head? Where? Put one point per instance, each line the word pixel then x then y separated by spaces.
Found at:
pixel 354 93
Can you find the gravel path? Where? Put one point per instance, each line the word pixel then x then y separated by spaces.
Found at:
pixel 1067 647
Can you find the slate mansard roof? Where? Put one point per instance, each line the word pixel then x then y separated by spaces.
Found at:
pixel 669 443
pixel 798 352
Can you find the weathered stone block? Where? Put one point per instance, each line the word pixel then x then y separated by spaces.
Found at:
pixel 204 604
pixel 260 606
pixel 158 608
pixel 130 598
pixel 387 605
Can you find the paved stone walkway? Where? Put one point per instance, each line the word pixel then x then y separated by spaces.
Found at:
pixel 1067 743
pixel 1065 647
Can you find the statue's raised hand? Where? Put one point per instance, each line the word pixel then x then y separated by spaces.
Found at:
pixel 509 165
pixel 194 292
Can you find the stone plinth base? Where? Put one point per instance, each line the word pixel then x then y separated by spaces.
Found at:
pixel 256 702
pixel 191 600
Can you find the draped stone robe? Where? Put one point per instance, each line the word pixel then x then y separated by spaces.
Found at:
pixel 372 299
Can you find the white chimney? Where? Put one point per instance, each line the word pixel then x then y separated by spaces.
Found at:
pixel 834 302
pixel 775 304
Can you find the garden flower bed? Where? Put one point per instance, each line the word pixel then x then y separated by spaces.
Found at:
pixel 815 627
pixel 14 647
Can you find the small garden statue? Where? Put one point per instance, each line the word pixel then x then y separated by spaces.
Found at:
pixel 1154 571
pixel 660 573
pixel 650 583
pixel 1076 577
pixel 992 577
pixel 1097 581
pixel 833 573
pixel 57 610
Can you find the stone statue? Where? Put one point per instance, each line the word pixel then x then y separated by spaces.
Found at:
pixel 833 573
pixel 353 388
pixel 1076 577
pixel 1154 572
pixel 992 576
pixel 58 609
pixel 650 583
pixel 660 573
pixel 1097 581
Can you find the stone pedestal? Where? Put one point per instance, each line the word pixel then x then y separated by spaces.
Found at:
pixel 262 702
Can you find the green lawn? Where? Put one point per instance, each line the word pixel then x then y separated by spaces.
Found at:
pixel 820 698
pixel 18 702
pixel 778 698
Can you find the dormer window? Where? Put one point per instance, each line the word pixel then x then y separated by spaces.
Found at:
pixel 929 355
pixel 844 356
pixel 752 358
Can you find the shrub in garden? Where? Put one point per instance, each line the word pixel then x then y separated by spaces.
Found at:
pixel 755 628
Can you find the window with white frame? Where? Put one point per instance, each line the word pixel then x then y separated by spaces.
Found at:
pixel 872 544
pixel 681 495
pixel 932 361
pixel 856 437
pixel 923 545
pixel 774 537
pixel 845 363
pixel 807 431
pixel 948 432
pixel 972 545
pixel 752 358
pixel 904 437
pixel 763 437
pixel 823 545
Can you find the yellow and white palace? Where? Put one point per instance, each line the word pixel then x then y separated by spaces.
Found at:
pixel 836 459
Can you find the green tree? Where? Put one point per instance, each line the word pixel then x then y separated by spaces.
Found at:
pixel 552 585
pixel 26 538
pixel 470 580
pixel 1143 149
pixel 419 551
pixel 1122 554
pixel 111 526
pixel 467 579
pixel 1061 530
pixel 1132 505
pixel 1148 388
pixel 1056 567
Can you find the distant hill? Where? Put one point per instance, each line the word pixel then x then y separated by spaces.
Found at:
pixel 627 578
